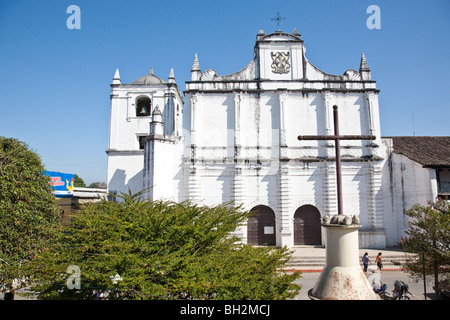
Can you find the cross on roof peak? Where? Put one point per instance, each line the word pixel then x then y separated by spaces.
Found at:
pixel 278 18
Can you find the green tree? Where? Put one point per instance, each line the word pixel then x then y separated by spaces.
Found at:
pixel 79 182
pixel 29 217
pixel 429 238
pixel 97 185
pixel 162 250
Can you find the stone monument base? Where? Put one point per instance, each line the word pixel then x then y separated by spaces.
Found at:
pixel 342 283
pixel 342 278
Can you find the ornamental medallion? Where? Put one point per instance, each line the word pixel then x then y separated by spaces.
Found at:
pixel 280 62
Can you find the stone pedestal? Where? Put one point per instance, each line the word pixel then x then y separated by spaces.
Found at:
pixel 342 278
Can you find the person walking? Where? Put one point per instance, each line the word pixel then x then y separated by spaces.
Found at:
pixel 365 261
pixel 378 261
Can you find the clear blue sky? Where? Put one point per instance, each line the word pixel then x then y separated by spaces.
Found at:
pixel 54 82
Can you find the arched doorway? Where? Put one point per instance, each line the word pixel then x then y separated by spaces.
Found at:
pixel 307 229
pixel 261 226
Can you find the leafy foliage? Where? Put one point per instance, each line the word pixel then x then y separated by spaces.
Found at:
pixel 162 250
pixel 429 238
pixel 28 214
pixel 79 182
pixel 98 185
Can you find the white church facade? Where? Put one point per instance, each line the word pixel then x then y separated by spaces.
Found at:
pixel 233 138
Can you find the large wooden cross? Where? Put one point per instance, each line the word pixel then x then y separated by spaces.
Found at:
pixel 337 138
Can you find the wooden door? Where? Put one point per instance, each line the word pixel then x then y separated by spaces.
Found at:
pixel 307 229
pixel 261 227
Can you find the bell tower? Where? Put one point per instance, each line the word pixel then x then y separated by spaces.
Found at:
pixel 132 107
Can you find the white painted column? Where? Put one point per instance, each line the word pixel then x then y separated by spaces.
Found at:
pixel 193 187
pixel 329 130
pixel 131 107
pixel 342 277
pixel 282 100
pixel 330 188
pixel 237 196
pixel 375 201
pixel 284 205
pixel 285 226
pixel 238 186
pixel 329 123
pixel 370 112
pixel 194 107
pixel 237 125
pixel 342 242
pixel 114 119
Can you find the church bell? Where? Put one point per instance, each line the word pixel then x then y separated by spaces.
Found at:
pixel 143 111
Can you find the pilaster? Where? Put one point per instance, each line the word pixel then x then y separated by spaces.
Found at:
pixel 237 125
pixel 328 111
pixel 194 107
pixel 375 202
pixel 237 186
pixel 370 111
pixel 282 100
pixel 327 96
pixel 284 206
pixel 330 188
pixel 194 186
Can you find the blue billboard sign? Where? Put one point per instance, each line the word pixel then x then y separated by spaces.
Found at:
pixel 62 183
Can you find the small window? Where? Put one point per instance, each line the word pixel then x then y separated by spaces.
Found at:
pixel 141 142
pixel 443 180
pixel 143 105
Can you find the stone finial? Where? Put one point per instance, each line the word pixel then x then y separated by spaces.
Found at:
pixel 196 64
pixel 355 219
pixel 196 73
pixel 156 125
pixel 326 219
pixel 295 33
pixel 260 34
pixel 171 76
pixel 156 112
pixel 363 65
pixel 364 68
pixel 116 79
pixel 151 71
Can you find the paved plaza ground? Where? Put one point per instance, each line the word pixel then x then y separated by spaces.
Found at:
pixel 393 259
pixel 309 279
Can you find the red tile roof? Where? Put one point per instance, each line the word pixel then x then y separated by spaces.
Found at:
pixel 428 151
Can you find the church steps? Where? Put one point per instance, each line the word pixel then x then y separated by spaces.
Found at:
pixel 389 261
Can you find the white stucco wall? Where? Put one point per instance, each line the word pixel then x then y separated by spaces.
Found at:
pixel 125 171
pixel 405 183
pixel 163 168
